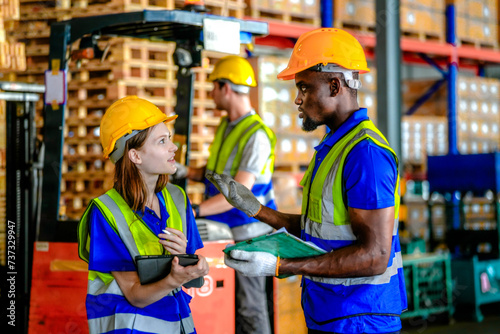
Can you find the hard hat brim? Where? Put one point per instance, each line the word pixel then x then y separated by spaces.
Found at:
pixel 289 73
pixel 166 120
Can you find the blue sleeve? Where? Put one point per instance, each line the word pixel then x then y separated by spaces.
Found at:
pixel 370 176
pixel 193 235
pixel 107 250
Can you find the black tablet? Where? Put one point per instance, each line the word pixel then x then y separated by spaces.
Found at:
pixel 152 268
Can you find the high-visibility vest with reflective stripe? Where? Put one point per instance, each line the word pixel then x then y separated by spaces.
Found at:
pixel 325 220
pixel 225 157
pixel 139 240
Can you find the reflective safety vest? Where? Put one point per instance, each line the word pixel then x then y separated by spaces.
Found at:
pixel 331 303
pixel 225 158
pixel 139 240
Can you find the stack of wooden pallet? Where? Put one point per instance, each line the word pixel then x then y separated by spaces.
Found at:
pixel 12 53
pixel 306 12
pixel 139 68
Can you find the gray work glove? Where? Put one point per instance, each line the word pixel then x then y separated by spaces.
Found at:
pixel 181 171
pixel 236 194
pixel 252 263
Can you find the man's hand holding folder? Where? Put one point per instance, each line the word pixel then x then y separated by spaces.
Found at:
pixel 261 256
pixel 252 263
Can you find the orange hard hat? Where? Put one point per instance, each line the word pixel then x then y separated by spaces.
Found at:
pixel 124 119
pixel 325 46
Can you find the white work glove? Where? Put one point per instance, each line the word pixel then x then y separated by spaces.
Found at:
pixel 181 171
pixel 236 194
pixel 252 263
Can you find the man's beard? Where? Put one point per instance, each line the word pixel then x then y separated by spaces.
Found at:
pixel 308 124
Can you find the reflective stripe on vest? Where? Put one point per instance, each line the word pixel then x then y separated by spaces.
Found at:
pixel 138 322
pixel 325 214
pixel 225 157
pixel 145 240
pixel 174 198
pixel 139 240
pixel 222 150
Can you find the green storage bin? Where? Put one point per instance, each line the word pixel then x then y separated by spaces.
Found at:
pixel 428 285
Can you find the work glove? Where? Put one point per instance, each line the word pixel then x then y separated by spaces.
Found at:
pixel 236 194
pixel 181 171
pixel 252 263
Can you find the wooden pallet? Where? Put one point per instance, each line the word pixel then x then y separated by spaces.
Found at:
pixel 113 90
pixel 98 167
pixel 492 45
pixel 10 10
pixel 63 10
pixel 195 191
pixel 309 20
pixel 297 11
pixel 94 186
pixel 232 8
pixel 125 71
pixel 355 26
pixel 12 56
pixel 95 107
pixel 424 36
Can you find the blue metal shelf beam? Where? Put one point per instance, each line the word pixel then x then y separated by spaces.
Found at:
pixel 451 38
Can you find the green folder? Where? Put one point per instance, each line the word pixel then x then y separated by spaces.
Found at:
pixel 280 243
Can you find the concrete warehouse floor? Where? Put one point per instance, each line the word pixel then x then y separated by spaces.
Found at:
pixel 460 324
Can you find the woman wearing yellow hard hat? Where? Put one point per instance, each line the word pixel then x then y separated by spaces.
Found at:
pixel 142 214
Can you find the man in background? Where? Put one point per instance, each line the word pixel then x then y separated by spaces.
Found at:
pixel 243 147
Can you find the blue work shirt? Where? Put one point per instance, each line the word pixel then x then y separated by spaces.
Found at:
pixel 370 171
pixel 105 240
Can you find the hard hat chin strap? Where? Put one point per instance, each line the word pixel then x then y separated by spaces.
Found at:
pixel 120 146
pixel 334 68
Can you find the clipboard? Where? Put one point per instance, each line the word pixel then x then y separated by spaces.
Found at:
pixel 152 268
pixel 280 243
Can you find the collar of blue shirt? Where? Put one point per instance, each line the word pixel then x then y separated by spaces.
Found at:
pixel 332 137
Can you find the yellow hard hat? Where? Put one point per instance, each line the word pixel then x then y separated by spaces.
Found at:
pixel 325 46
pixel 235 69
pixel 124 119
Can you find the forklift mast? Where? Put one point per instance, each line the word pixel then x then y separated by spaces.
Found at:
pixel 187 29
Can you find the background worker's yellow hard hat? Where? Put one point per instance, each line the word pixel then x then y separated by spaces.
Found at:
pixel 125 116
pixel 325 46
pixel 235 69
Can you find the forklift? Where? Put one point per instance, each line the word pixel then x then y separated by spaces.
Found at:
pixel 55 301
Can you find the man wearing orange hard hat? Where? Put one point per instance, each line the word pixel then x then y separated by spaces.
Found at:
pixel 350 199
